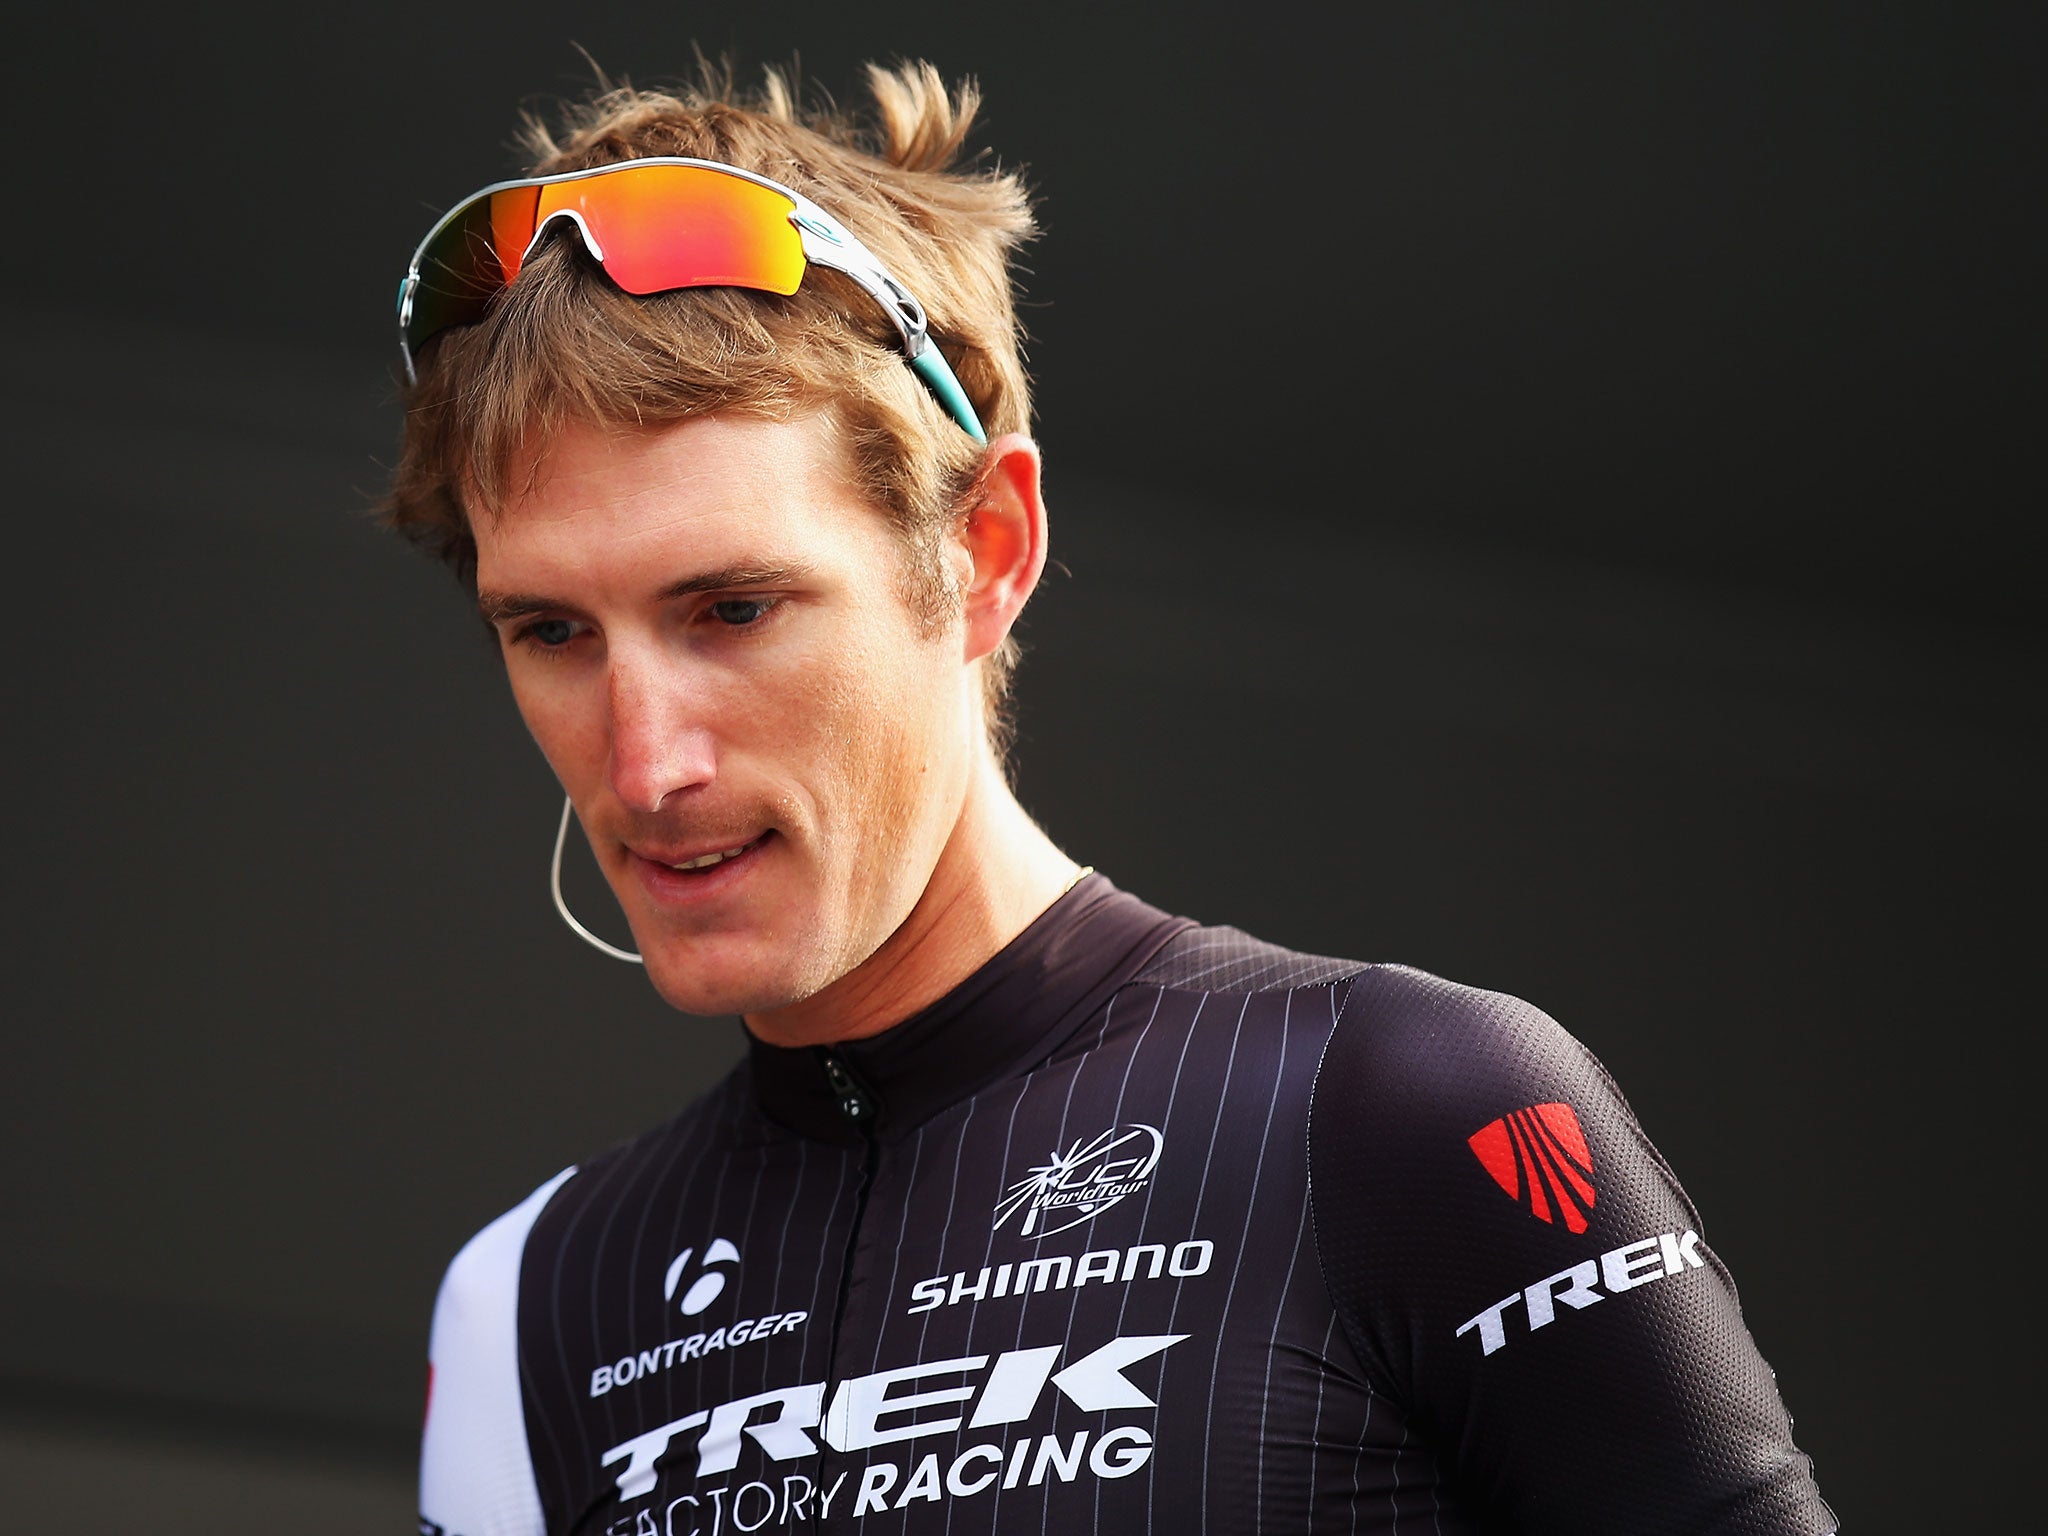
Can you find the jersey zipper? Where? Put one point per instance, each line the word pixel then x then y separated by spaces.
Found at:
pixel 855 1101
pixel 862 1109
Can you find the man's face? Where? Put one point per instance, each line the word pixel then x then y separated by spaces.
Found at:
pixel 706 632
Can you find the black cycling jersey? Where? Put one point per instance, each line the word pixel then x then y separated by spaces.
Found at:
pixel 1146 1227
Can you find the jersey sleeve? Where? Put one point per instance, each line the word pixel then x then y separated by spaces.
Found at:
pixel 476 1470
pixel 1518 1268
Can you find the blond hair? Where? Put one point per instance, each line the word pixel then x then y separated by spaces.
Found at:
pixel 563 345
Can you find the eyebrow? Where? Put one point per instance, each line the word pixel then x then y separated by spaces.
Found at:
pixel 499 607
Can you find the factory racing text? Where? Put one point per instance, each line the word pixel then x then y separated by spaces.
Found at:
pixel 936 1395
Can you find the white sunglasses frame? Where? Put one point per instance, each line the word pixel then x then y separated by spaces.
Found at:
pixel 826 242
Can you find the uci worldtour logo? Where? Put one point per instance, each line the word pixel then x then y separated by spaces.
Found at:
pixel 1081 1183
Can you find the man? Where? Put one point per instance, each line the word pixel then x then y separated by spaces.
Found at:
pixel 1031 1207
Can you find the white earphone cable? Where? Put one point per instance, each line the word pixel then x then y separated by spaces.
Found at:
pixel 561 906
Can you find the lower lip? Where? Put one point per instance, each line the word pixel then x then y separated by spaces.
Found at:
pixel 674 887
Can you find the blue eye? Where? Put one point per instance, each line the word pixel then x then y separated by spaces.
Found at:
pixel 552 632
pixel 741 611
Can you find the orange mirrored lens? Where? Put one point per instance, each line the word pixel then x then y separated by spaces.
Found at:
pixel 678 226
pixel 469 262
pixel 658 227
pixel 512 222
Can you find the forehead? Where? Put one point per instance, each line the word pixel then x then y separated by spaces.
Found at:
pixel 709 490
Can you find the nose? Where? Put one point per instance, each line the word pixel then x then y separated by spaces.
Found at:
pixel 658 745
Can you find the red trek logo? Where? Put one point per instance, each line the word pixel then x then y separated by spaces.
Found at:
pixel 1539 1156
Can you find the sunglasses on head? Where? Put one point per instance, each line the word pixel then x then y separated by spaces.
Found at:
pixel 655 225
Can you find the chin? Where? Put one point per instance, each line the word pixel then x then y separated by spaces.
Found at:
pixel 714 986
pixel 706 999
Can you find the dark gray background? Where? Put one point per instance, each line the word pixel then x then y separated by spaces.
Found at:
pixel 1546 494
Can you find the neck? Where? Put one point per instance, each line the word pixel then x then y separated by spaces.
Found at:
pixel 996 873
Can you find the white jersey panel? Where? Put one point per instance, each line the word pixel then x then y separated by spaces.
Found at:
pixel 476 1470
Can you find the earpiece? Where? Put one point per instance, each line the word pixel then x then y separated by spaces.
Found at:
pixel 561 906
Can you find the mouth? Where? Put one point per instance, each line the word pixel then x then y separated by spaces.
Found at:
pixel 696 876
pixel 713 860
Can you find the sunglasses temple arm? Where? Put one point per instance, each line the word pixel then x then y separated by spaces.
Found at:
pixel 930 366
pixel 848 257
pixel 405 292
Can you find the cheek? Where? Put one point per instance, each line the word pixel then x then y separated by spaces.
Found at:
pixel 561 723
pixel 873 723
pixel 910 735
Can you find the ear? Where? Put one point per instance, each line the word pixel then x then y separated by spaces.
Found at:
pixel 1004 537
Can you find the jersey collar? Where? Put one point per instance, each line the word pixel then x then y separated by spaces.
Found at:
pixel 1005 1019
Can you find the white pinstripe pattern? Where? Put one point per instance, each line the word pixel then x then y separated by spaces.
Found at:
pixel 1201 1193
pixel 1371 1395
pixel 945 1227
pixel 633 1271
pixel 825 1231
pixel 1117 1118
pixel 713 1221
pixel 1247 964
pixel 747 1256
pixel 902 1231
pixel 1394 1495
pixel 1066 1333
pixel 537 1402
pixel 1358 1461
pixel 1315 1429
pixel 1279 1311
pixel 1060 1139
pixel 803 1167
pixel 946 1231
pixel 602 1294
pixel 988 1247
pixel 1172 1093
pixel 564 1246
pixel 830 1221
pixel 1244 1239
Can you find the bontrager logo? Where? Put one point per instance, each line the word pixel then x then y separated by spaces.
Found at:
pixel 700 1293
pixel 628 1369
pixel 1084 1181
pixel 1539 1156
pixel 705 1288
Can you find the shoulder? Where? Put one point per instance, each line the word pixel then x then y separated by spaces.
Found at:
pixel 476 1469
pixel 1427 1048
pixel 720 1118
pixel 1516 1265
pixel 1436 1097
pixel 485 1271
pixel 1223 959
pixel 1460 1141
pixel 1425 1054
pixel 1242 1009
pixel 476 1472
pixel 1412 1044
